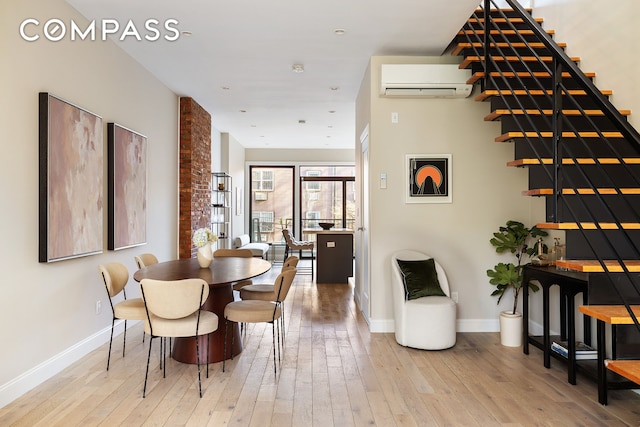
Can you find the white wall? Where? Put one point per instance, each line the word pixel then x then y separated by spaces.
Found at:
pixel 314 156
pixel 47 311
pixel 233 154
pixel 604 35
pixel 486 193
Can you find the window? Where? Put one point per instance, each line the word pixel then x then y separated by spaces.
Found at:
pixel 312 219
pixel 313 186
pixel 327 194
pixel 272 201
pixel 262 180
pixel 266 220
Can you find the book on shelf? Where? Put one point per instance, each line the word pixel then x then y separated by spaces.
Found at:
pixel 583 351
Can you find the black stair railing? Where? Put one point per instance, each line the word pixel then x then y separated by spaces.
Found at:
pixel 552 108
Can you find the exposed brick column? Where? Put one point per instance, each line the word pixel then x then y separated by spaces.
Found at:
pixel 195 173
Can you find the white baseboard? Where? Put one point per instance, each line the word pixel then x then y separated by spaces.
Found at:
pixel 462 325
pixel 56 364
pixel 378 326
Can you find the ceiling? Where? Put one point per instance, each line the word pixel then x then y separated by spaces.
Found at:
pixel 237 62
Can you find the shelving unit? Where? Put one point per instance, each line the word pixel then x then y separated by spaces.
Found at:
pixel 221 208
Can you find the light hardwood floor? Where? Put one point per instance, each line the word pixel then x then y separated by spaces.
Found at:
pixel 334 373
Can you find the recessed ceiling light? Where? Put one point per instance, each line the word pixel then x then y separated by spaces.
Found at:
pixel 332 111
pixel 243 111
pixel 225 87
pixel 301 121
pixel 339 31
pixel 297 68
pixel 334 88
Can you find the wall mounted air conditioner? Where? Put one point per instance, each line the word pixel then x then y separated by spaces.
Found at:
pixel 424 80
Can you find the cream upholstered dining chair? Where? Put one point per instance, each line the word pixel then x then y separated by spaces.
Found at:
pixel 424 313
pixel 242 253
pixel 144 260
pixel 298 245
pixel 266 292
pixel 115 277
pixel 258 311
pixel 173 309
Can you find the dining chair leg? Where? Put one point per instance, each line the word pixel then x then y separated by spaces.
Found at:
pixel 224 351
pixel 164 357
pixel 282 321
pixel 279 342
pixel 208 347
pixel 273 339
pixel 113 321
pixel 198 363
pixel 233 336
pixel 124 339
pixel 146 374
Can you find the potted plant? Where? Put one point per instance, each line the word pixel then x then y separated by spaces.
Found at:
pixel 519 241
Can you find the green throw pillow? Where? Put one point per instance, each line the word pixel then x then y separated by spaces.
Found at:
pixel 420 279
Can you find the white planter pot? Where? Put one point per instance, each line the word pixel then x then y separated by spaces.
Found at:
pixel 510 329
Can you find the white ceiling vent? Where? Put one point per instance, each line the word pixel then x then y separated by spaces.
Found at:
pixel 424 80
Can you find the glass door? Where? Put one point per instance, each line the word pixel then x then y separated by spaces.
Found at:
pixel 327 195
pixel 271 205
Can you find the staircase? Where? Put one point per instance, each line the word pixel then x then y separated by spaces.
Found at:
pixel 581 153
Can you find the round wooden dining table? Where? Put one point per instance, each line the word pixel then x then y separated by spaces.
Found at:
pixel 220 275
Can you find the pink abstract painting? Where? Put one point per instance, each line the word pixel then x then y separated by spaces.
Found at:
pixel 71 181
pixel 127 187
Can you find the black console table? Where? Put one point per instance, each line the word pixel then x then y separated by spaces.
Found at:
pixel 571 283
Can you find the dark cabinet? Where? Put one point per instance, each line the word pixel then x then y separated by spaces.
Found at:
pixel 334 257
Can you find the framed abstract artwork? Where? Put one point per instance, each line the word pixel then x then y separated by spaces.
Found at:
pixel 428 178
pixel 71 178
pixel 127 187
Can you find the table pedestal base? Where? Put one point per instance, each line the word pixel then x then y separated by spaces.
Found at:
pixel 184 349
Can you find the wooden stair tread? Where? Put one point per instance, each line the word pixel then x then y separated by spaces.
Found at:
pixel 480 11
pixel 521 92
pixel 592 266
pixel 588 226
pixel 523 75
pixel 496 114
pixel 504 20
pixel 505 32
pixel 468 60
pixel 583 191
pixel 511 135
pixel 581 161
pixel 612 314
pixel 518 45
pixel 629 369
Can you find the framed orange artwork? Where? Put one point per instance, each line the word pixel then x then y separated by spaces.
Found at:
pixel 428 178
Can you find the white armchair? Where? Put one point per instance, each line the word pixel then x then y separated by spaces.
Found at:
pixel 426 322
